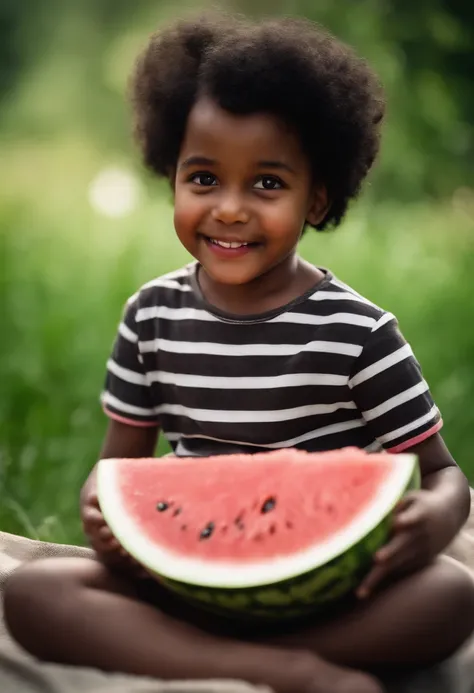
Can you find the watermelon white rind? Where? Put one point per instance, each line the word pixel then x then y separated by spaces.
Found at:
pixel 283 587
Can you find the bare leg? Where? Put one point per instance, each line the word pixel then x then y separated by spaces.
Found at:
pixel 417 621
pixel 76 611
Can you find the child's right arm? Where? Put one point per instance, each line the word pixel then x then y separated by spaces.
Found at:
pixel 121 440
pixel 133 429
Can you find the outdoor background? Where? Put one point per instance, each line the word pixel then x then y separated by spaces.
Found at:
pixel 82 225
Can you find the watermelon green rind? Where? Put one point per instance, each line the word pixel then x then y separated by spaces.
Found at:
pixel 347 554
pixel 314 591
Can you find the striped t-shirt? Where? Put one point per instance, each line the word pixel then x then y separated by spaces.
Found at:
pixel 328 370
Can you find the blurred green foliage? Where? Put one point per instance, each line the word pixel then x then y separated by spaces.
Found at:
pixel 70 60
pixel 81 225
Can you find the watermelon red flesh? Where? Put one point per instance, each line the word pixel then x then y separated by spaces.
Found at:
pixel 248 508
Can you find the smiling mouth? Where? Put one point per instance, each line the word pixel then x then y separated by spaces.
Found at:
pixel 230 245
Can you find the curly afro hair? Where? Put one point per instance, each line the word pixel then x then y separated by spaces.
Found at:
pixel 291 68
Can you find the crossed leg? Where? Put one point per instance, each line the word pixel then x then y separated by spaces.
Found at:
pixel 77 611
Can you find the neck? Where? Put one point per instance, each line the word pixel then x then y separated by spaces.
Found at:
pixel 277 287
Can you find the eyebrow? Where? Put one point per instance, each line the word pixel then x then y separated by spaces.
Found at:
pixel 276 165
pixel 205 161
pixel 197 161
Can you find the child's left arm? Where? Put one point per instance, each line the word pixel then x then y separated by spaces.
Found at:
pixel 398 409
pixel 446 488
pixel 426 521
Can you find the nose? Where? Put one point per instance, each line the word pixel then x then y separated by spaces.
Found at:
pixel 230 209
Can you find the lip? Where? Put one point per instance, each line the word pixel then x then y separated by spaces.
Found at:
pixel 229 239
pixel 227 252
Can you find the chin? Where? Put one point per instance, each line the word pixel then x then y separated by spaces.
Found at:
pixel 229 279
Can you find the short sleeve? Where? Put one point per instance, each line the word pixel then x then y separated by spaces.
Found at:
pixel 389 390
pixel 127 396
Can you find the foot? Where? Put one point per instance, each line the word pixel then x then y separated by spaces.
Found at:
pixel 355 682
pixel 319 676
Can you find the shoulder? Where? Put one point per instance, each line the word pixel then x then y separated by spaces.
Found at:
pixel 169 289
pixel 336 298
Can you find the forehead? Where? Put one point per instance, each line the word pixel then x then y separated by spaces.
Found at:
pixel 259 135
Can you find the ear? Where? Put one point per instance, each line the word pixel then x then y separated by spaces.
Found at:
pixel 318 205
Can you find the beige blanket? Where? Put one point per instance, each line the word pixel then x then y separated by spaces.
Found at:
pixel 20 673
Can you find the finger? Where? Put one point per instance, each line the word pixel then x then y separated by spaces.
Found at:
pixel 110 544
pixel 374 578
pixel 402 564
pixel 105 533
pixel 409 517
pixel 397 545
pixel 104 547
pixel 386 560
pixel 105 539
pixel 92 515
pixel 113 544
pixel 98 545
pixel 408 499
pixel 92 500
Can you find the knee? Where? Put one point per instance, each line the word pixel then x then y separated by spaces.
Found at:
pixel 37 591
pixel 455 598
pixel 30 582
pixel 39 579
pixel 463 587
pixel 457 582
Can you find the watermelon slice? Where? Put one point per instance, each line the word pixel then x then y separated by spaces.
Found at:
pixel 270 534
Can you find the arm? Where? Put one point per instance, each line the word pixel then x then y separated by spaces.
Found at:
pixel 394 400
pixel 121 440
pixel 425 521
pixel 448 486
pixel 133 428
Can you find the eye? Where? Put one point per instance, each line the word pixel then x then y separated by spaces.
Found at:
pixel 269 183
pixel 205 180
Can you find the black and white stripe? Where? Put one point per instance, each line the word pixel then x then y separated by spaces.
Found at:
pixel 328 370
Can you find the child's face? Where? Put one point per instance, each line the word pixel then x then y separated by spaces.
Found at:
pixel 242 180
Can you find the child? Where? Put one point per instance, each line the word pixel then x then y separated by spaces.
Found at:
pixel 262 130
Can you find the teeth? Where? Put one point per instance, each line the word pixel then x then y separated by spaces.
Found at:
pixel 224 244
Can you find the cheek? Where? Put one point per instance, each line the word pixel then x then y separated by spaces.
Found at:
pixel 188 210
pixel 283 221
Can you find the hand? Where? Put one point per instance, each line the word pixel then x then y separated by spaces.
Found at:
pixel 103 541
pixel 416 538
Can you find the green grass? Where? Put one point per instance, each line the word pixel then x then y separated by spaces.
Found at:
pixel 66 273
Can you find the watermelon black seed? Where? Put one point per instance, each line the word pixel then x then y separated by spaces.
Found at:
pixel 268 505
pixel 177 512
pixel 207 531
pixel 162 506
